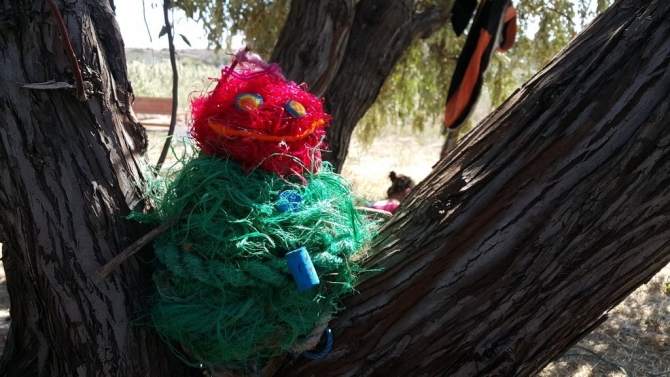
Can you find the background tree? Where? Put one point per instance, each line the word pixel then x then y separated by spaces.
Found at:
pixel 400 82
pixel 491 265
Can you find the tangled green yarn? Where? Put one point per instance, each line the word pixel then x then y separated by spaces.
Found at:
pixel 225 293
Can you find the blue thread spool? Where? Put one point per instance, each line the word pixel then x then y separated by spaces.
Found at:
pixel 288 200
pixel 302 268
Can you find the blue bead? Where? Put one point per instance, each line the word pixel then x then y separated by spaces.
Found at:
pixel 288 200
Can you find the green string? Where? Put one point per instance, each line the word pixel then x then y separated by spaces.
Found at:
pixel 226 294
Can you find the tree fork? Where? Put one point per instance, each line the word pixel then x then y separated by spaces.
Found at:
pixel 546 216
pixel 491 266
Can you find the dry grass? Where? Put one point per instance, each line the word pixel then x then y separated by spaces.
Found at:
pixel 637 335
pixel 636 338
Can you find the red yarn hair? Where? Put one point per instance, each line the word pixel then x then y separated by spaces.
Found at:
pixel 268 137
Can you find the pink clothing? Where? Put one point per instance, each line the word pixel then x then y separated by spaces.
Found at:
pixel 385 205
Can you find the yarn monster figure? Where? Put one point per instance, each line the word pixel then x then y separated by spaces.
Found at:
pixel 267 236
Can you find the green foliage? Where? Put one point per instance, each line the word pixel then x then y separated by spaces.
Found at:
pixel 414 95
pixel 259 22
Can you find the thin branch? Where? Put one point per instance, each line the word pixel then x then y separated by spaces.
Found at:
pixel 79 80
pixel 135 247
pixel 378 212
pixel 560 13
pixel 146 24
pixel 596 356
pixel 175 81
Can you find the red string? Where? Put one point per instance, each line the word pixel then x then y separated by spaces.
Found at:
pixel 268 137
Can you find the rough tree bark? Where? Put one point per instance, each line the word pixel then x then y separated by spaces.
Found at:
pixel 350 55
pixel 550 213
pixel 313 41
pixel 67 177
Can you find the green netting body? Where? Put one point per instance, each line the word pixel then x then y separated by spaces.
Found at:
pixel 226 293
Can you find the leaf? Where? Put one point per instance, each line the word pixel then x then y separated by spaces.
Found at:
pixel 186 6
pixel 164 31
pixel 183 37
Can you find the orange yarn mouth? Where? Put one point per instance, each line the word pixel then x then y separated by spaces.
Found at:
pixel 231 131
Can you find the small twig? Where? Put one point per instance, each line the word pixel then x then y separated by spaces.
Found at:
pixel 144 15
pixel 375 211
pixel 175 88
pixel 48 85
pixel 135 247
pixel 598 357
pixel 567 18
pixel 79 80
pixel 660 373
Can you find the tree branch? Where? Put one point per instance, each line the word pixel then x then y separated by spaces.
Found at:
pixel 175 87
pixel 428 21
pixel 132 249
pixel 559 195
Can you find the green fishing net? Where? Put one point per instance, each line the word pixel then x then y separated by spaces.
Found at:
pixel 225 295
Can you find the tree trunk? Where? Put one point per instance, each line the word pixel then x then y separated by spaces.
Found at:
pixel 362 46
pixel 313 41
pixel 68 170
pixel 549 214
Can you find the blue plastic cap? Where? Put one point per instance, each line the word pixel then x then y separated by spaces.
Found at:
pixel 302 268
pixel 288 200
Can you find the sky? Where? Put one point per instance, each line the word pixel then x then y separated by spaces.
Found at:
pixel 134 30
pixel 130 17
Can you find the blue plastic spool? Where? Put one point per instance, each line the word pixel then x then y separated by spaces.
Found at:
pixel 302 268
pixel 288 200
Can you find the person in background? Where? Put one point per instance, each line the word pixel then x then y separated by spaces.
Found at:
pixel 401 186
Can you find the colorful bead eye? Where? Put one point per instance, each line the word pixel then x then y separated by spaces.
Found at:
pixel 248 101
pixel 295 108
